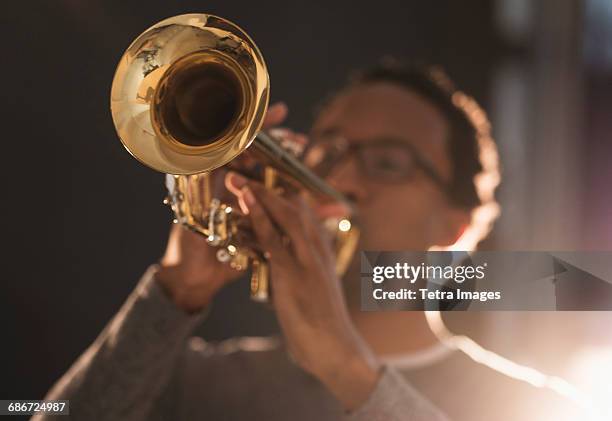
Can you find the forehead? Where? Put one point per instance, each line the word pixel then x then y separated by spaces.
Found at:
pixel 384 110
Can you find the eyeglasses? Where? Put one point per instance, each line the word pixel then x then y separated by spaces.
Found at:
pixel 384 161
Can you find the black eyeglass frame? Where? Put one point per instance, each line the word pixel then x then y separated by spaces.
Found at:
pixel 349 148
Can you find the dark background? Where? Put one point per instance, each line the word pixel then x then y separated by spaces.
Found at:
pixel 82 219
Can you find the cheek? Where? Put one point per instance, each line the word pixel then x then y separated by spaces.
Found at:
pixel 399 218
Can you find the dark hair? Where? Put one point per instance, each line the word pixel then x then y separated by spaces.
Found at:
pixel 467 121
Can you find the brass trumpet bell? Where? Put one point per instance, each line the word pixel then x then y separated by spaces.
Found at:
pixel 189 94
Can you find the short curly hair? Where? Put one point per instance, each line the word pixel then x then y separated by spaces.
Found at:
pixel 473 154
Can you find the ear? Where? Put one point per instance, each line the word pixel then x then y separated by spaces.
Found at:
pixel 452 224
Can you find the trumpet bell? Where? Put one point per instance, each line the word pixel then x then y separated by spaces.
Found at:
pixel 189 94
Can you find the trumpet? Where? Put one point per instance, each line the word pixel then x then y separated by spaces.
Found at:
pixel 188 97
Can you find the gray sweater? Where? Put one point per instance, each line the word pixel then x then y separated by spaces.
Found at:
pixel 143 366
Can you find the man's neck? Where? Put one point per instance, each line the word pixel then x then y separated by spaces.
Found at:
pixel 395 333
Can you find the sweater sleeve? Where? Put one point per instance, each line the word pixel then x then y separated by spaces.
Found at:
pixel 122 374
pixel 394 399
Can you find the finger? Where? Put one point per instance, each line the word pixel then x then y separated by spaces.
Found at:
pixel 292 216
pixel 275 115
pixel 282 212
pixel 312 245
pixel 268 237
pixel 235 183
pixel 319 237
pixel 292 220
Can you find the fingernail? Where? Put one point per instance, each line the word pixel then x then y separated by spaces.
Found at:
pixel 236 180
pixel 248 197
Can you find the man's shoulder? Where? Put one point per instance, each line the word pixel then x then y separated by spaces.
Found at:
pixel 471 390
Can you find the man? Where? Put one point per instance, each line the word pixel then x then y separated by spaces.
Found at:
pixel 416 157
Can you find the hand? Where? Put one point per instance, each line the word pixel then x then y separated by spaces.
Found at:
pixel 189 270
pixel 307 295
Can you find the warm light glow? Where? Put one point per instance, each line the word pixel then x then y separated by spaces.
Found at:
pixel 486 181
pixel 231 248
pixel 591 369
pixel 512 369
pixel 344 225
